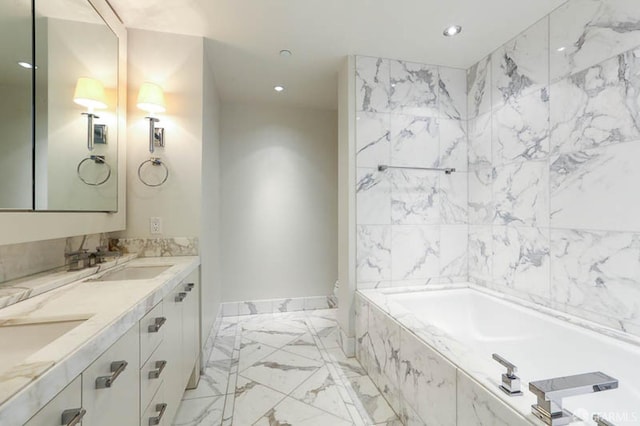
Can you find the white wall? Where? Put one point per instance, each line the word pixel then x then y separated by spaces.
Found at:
pixel 175 63
pixel 279 202
pixel 210 236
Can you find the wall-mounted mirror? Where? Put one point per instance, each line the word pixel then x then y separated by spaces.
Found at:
pixel 16 101
pixel 76 135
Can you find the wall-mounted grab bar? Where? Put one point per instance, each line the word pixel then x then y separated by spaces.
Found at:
pixel 446 170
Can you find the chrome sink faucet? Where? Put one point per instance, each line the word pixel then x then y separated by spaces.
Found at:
pixel 550 393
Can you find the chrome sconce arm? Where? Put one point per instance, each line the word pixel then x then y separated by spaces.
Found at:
pixel 152 132
pixel 90 129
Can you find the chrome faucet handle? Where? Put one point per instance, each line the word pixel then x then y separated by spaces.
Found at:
pixel 601 421
pixel 550 393
pixel 510 382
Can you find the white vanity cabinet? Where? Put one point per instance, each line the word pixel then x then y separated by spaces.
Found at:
pixel 191 325
pixel 66 406
pixel 110 386
pixel 141 378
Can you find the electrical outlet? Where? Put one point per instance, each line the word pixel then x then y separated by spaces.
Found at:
pixel 155 225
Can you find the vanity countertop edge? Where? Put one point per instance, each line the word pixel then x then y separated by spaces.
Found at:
pixel 111 309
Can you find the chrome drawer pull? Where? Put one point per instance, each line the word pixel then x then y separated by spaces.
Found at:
pixel 73 417
pixel 161 408
pixel 157 324
pixel 181 296
pixel 189 286
pixel 117 367
pixel 160 365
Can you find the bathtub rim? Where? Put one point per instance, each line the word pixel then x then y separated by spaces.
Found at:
pixel 484 372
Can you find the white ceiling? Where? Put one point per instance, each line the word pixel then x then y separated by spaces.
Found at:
pixel 246 36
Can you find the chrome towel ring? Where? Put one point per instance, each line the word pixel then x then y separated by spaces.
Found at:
pixel 154 162
pixel 98 159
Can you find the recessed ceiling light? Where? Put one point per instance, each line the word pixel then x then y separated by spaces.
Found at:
pixel 560 49
pixel 26 65
pixel 452 30
pixel 285 53
pixel 278 88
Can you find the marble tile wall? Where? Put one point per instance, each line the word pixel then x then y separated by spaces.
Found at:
pixel 554 138
pixel 420 384
pixel 21 260
pixel 411 225
pixel 157 247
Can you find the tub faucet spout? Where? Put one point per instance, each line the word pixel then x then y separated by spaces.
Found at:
pixel 550 393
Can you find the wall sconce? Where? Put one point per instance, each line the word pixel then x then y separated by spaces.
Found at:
pixel 151 100
pixel 90 94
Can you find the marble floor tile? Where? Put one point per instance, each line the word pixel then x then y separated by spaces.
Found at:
pixel 200 412
pixel 320 390
pixel 304 346
pixel 222 348
pixel 349 367
pixel 292 412
pixel 298 378
pixel 252 352
pixel 282 371
pixel 214 380
pixel 252 401
pixel 374 403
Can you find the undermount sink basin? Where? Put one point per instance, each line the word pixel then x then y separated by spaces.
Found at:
pixel 24 338
pixel 134 273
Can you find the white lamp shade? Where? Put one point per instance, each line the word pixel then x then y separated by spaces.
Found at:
pixel 89 93
pixel 151 98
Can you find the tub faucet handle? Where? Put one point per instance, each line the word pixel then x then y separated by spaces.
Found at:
pixel 601 421
pixel 510 382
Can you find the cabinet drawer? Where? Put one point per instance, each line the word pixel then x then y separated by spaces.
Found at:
pixel 153 373
pixel 110 385
pixel 152 327
pixel 156 412
pixel 51 414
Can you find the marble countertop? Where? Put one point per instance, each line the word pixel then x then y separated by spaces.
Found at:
pixel 17 290
pixel 110 309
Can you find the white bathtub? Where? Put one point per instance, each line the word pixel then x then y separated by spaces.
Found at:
pixel 541 345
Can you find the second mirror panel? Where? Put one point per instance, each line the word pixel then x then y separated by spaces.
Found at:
pixel 76 108
pixel 16 102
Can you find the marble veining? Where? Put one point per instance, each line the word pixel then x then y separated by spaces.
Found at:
pixel 414 197
pixel 480 136
pixel 480 200
pixel 416 252
pixel 414 88
pixel 586 32
pixel 598 106
pixel 415 141
pixel 157 247
pixel 452 93
pixel 520 129
pixel 372 84
pixel 520 194
pixel 373 139
pixel 373 255
pixel 480 254
pixel 479 88
pixel 597 271
pixel 521 65
pixel 606 175
pixel 373 197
